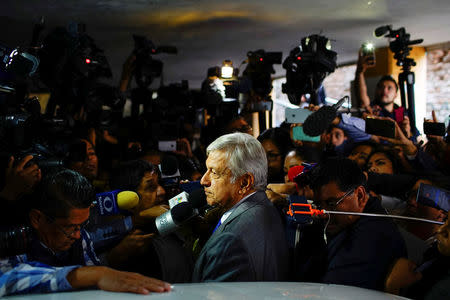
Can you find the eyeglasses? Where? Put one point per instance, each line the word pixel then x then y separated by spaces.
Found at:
pixel 68 230
pixel 332 205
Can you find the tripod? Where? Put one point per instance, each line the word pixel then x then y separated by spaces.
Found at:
pixel 406 80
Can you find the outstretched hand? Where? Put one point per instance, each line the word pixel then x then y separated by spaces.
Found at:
pixel 400 139
pixel 108 279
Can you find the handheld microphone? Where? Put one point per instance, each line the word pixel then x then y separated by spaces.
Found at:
pixel 317 122
pixel 294 172
pixel 114 202
pixel 103 231
pixel 181 212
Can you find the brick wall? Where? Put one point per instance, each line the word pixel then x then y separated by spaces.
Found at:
pixel 337 84
pixel 438 81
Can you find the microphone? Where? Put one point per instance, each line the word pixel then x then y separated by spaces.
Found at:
pixel 317 122
pixel 294 172
pixel 103 231
pixel 181 212
pixel 382 30
pixel 114 202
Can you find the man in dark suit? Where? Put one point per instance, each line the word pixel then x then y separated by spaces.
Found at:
pixel 359 249
pixel 248 243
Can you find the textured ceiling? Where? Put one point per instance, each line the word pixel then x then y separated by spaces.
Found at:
pixel 207 32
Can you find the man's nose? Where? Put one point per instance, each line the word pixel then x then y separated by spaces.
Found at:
pixel 205 180
pixel 76 235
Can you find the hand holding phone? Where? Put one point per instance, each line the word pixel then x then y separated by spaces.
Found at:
pixel 368 53
pixel 380 127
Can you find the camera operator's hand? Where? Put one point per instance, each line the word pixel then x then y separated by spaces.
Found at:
pixel 108 279
pixel 20 180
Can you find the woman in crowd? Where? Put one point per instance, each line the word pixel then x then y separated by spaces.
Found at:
pixel 276 143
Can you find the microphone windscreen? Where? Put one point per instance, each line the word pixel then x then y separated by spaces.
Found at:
pixel 182 212
pixel 127 200
pixel 169 165
pixel 294 172
pixel 317 122
pixel 197 198
pixel 381 30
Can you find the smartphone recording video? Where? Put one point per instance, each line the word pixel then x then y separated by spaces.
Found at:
pixel 430 128
pixel 379 127
pixel 368 49
pixel 433 196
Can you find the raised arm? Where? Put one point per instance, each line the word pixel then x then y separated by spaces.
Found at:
pixel 364 62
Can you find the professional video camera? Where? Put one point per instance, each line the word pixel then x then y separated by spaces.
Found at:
pixel 175 104
pixel 400 43
pixel 147 68
pixel 104 107
pixel 307 66
pixel 406 79
pixel 259 70
pixel 16 65
pixel 71 63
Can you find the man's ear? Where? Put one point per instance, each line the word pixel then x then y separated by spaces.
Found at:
pixel 247 181
pixel 362 197
pixel 36 218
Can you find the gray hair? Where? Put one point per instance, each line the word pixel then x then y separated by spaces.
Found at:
pixel 244 154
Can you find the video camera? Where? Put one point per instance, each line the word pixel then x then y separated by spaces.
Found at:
pixel 71 54
pixel 307 66
pixel 42 156
pixel 147 68
pixel 406 79
pixel 259 70
pixel 400 44
pixel 16 64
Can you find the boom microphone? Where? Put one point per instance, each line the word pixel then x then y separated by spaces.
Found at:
pixel 382 30
pixel 317 122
